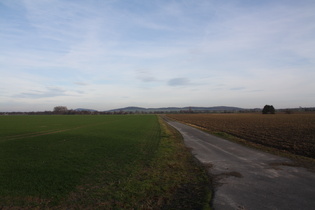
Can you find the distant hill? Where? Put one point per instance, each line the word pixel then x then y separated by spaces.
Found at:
pixel 176 109
pixel 88 110
pixel 128 109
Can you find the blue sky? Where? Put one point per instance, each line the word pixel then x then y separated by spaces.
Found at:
pixel 160 53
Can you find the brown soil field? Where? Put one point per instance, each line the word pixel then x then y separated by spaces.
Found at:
pixel 294 133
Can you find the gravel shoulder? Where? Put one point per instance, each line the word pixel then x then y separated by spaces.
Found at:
pixel 246 178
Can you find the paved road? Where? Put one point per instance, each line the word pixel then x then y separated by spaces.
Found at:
pixel 247 178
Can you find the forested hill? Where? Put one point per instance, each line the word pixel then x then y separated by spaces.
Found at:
pixel 176 109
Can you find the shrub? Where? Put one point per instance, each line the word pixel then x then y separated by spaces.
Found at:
pixel 268 109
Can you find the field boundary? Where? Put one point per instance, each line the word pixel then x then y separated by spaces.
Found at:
pixel 299 160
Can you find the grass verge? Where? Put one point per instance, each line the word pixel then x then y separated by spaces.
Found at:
pixel 185 183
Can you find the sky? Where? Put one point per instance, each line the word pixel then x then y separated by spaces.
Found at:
pixel 106 54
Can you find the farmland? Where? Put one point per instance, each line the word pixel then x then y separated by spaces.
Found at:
pixel 132 161
pixel 293 133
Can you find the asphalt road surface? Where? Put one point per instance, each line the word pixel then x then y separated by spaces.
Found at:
pixel 246 178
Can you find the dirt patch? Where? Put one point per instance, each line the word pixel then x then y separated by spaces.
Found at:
pixel 217 178
pixel 291 164
pixel 229 174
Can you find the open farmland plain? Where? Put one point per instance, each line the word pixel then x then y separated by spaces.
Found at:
pixel 120 162
pixel 293 133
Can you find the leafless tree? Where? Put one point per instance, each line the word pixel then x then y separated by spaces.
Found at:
pixel 60 109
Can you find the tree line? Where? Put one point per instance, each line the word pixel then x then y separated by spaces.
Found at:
pixel 63 110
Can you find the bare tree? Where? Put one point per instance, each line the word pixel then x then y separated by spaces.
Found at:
pixel 60 109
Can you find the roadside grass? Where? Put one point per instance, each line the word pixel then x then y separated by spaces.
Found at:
pixel 112 162
pixel 178 180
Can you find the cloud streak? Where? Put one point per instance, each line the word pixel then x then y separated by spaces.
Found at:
pixel 179 82
pixel 48 92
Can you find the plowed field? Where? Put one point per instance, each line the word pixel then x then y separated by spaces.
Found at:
pixel 294 133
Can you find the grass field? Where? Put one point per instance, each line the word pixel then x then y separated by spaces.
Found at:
pixel 293 133
pixel 131 161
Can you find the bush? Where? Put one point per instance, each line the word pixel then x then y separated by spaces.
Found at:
pixel 268 109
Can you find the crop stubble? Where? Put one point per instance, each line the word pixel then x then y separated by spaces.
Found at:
pixel 294 133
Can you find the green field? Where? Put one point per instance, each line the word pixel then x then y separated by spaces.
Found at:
pixel 131 161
